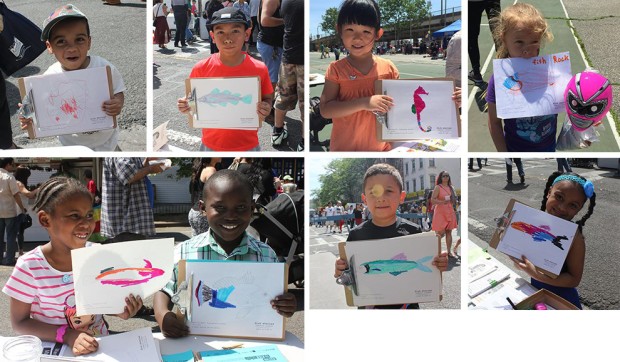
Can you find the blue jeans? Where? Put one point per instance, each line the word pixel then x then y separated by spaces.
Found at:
pixel 8 224
pixel 272 57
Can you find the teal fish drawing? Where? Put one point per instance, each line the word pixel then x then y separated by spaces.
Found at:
pixel 223 98
pixel 397 265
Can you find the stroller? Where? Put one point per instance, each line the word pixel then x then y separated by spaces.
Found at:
pixel 281 224
pixel 317 122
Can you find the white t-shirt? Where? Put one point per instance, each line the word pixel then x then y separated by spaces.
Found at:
pixel 8 188
pixel 105 140
pixel 453 61
pixel 339 210
pixel 254 4
pixel 329 211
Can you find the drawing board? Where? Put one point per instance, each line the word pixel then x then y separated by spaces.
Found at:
pixel 223 102
pixel 160 136
pixel 393 271
pixel 104 275
pixel 68 102
pixel 423 108
pixel 232 298
pixel 531 87
pixel 541 237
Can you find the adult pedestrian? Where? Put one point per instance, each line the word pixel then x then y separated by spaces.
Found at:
pixel 563 165
pixel 444 218
pixel 519 165
pixel 162 31
pixel 21 175
pixel 9 196
pixel 126 212
pixel 358 214
pixel 475 10
pixel 270 37
pixel 470 165
pixel 181 11
pixel 203 168
pixel 254 4
pixel 339 210
pixel 212 7
pixel 245 8
pixel 291 73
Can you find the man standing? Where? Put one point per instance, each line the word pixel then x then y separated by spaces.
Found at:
pixel 181 12
pixel 9 196
pixel 126 212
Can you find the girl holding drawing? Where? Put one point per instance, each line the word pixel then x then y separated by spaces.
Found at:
pixel 444 220
pixel 520 32
pixel 41 285
pixel 565 195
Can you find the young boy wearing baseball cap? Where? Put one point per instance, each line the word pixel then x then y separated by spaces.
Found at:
pixel 67 35
pixel 230 29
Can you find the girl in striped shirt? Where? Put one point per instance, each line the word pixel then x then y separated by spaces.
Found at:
pixel 41 285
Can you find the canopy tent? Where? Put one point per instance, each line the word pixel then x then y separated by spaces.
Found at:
pixel 448 30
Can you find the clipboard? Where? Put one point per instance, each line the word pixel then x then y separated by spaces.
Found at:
pixel 511 215
pixel 384 120
pixel 160 136
pixel 221 97
pixel 190 315
pixel 397 286
pixel 94 125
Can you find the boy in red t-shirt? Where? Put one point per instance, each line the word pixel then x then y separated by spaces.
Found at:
pixel 230 29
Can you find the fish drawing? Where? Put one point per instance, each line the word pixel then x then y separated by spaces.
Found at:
pixel 129 275
pixel 222 98
pixel 539 233
pixel 397 265
pixel 235 297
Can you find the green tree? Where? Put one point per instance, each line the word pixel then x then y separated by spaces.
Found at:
pixel 330 19
pixel 403 14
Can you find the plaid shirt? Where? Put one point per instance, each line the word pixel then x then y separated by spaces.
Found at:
pixel 125 207
pixel 204 247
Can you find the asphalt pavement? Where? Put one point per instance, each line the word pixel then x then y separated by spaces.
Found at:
pixel 326 294
pixel 117 33
pixel 489 194
pixel 170 69
pixel 172 226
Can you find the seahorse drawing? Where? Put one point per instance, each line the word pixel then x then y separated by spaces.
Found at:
pixel 418 106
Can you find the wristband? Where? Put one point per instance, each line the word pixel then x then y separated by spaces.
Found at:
pixel 60 333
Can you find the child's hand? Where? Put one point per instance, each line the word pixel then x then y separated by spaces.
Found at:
pixel 525 265
pixel 172 327
pixel 456 96
pixel 80 342
pixel 380 103
pixel 183 105
pixel 285 304
pixel 24 122
pixel 441 261
pixel 341 265
pixel 133 305
pixel 114 106
pixel 263 109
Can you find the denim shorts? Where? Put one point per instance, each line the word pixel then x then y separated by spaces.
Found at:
pixel 272 57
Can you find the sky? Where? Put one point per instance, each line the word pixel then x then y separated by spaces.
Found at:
pixel 318 7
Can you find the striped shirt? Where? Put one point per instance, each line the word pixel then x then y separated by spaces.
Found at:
pixel 125 207
pixel 204 247
pixel 50 293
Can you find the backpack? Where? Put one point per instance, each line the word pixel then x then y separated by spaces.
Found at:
pixel 317 122
pixel 288 209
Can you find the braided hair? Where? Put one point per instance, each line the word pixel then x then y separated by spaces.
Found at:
pixel 56 190
pixel 581 222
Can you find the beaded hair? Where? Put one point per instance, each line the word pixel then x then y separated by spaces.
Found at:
pixel 56 190
pixel 550 181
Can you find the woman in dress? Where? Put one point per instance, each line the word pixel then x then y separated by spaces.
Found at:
pixel 444 217
pixel 162 31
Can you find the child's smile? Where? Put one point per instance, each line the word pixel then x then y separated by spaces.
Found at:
pixel 359 39
pixel 71 223
pixel 565 199
pixel 70 43
pixel 382 194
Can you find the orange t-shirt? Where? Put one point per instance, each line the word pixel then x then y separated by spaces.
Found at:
pixel 232 139
pixel 357 131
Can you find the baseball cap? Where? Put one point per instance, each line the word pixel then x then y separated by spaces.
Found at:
pixel 228 15
pixel 63 12
pixel 287 177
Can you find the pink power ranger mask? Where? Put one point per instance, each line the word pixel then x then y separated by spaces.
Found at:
pixel 588 97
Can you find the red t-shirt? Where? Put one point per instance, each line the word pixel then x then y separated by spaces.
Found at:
pixel 232 139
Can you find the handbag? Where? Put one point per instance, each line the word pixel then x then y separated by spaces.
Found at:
pixel 27 222
pixel 20 41
pixel 156 12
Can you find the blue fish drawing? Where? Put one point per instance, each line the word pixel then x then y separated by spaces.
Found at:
pixel 223 98
pixel 216 297
pixel 397 265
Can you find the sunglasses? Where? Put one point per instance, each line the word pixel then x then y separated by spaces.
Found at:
pixel 445 176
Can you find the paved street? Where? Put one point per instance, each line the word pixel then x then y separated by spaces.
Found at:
pixel 165 229
pixel 489 194
pixel 326 294
pixel 117 34
pixel 170 69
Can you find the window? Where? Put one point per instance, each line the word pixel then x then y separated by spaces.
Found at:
pixel 431 162
pixel 422 187
pixel 421 163
pixel 412 166
pixel 414 185
pixel 433 179
pixel 406 168
pixel 407 186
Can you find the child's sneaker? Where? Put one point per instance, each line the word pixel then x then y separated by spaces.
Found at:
pixel 278 137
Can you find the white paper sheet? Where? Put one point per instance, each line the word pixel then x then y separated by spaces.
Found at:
pixel 395 271
pixel 104 275
pixel 543 238
pixel 435 112
pixel 134 346
pixel 225 102
pixel 531 87
pixel 238 301
pixel 70 102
